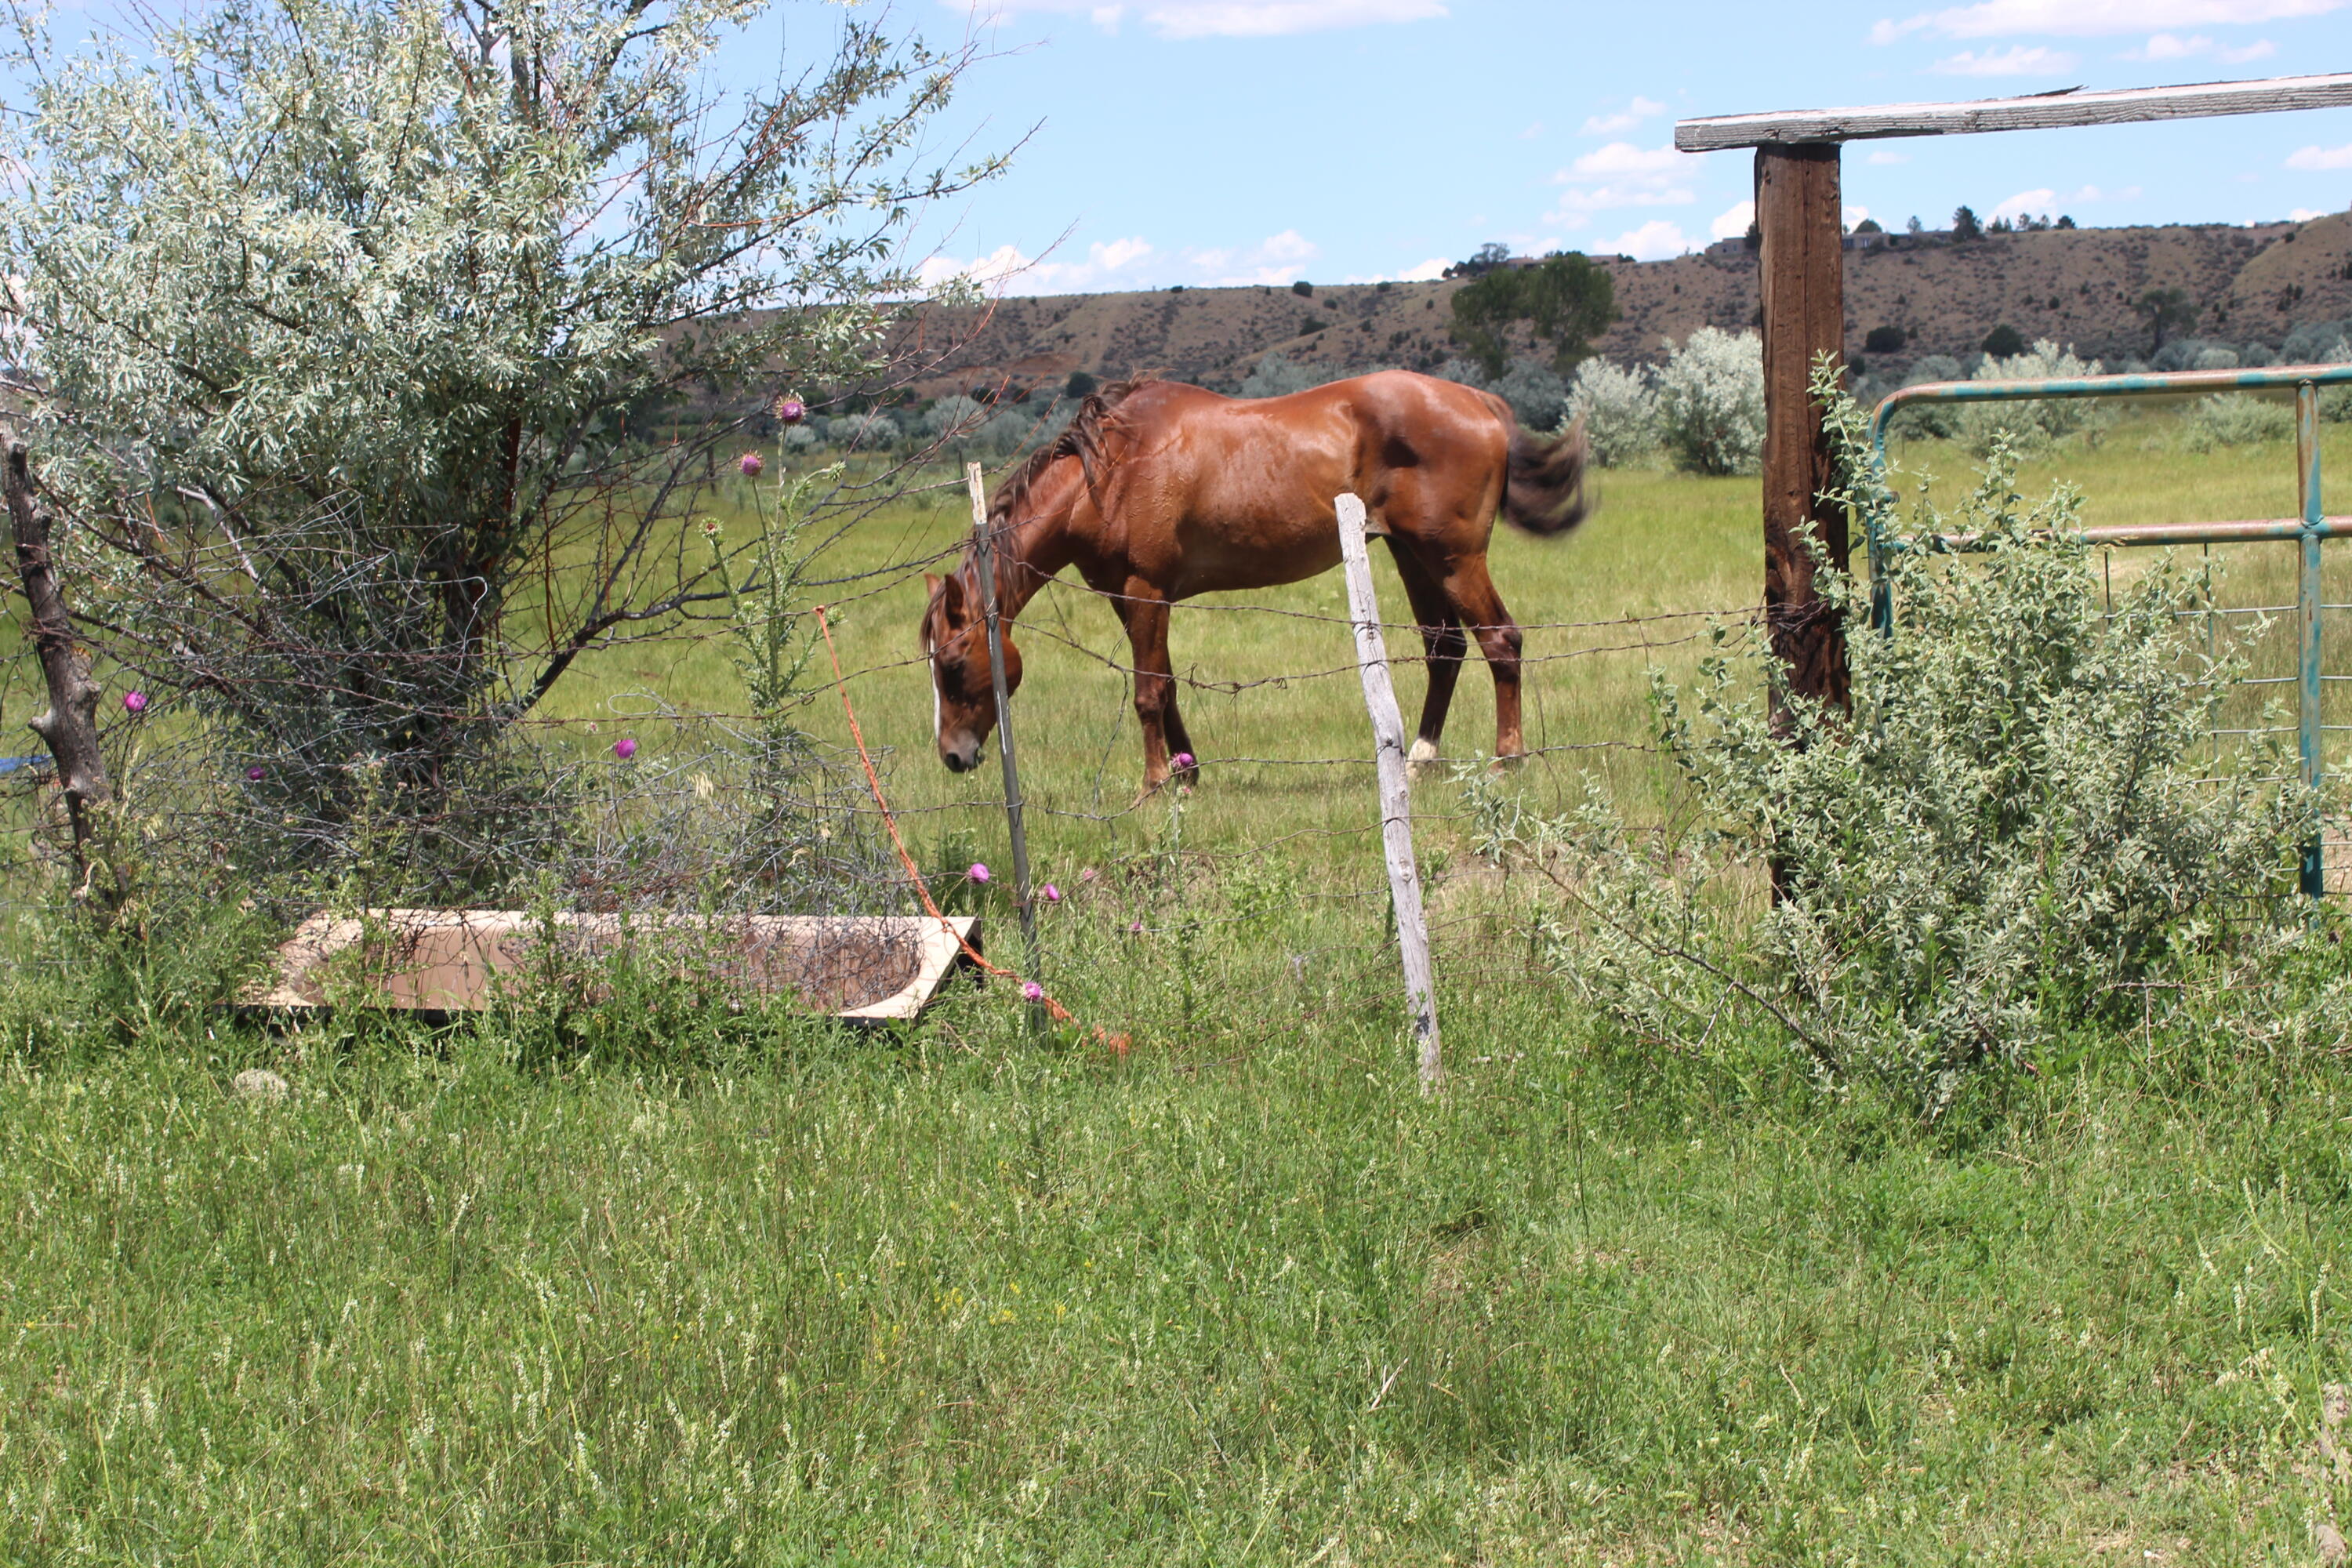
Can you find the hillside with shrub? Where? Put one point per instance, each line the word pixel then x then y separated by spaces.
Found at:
pixel 2120 295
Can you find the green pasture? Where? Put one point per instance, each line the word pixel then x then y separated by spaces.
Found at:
pixel 1242 1297
pixel 1276 710
pixel 1199 1279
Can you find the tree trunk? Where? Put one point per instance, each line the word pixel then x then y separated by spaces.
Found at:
pixel 69 727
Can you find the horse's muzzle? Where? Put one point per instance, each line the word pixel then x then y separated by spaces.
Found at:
pixel 960 761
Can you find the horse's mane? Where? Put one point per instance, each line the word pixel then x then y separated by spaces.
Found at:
pixel 1084 437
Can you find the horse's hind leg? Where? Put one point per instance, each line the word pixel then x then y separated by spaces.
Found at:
pixel 1442 639
pixel 1475 598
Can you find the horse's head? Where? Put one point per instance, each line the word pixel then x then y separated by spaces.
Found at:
pixel 964 694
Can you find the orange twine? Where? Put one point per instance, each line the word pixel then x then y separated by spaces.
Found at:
pixel 1060 1014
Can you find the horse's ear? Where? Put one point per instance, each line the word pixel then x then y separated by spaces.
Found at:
pixel 931 586
pixel 951 595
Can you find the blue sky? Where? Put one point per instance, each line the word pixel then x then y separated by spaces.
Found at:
pixel 1221 142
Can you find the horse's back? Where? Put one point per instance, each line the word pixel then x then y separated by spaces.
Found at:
pixel 1217 493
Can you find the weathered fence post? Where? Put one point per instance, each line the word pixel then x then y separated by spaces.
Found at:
pixel 1802 266
pixel 1395 793
pixel 70 726
pixel 984 560
pixel 2311 730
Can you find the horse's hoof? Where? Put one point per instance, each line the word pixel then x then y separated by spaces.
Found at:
pixel 1419 761
pixel 1510 761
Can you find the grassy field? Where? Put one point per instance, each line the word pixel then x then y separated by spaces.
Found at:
pixel 1276 714
pixel 678 1284
pixel 1240 1298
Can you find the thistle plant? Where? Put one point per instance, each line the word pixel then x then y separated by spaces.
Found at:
pixel 769 628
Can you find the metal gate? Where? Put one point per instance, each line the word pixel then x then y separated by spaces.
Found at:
pixel 2307 530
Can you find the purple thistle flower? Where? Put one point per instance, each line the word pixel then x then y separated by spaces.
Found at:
pixel 1136 928
pixel 751 465
pixel 1183 762
pixel 979 873
pixel 791 411
pixel 1050 893
pixel 1087 875
pixel 135 701
pixel 1032 991
pixel 625 748
pixel 256 774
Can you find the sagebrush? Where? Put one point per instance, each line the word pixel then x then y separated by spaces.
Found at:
pixel 2020 817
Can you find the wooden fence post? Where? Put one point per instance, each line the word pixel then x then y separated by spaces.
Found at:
pixel 984 560
pixel 1395 793
pixel 1800 228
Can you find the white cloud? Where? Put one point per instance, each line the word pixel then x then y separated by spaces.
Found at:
pixel 1733 220
pixel 1884 155
pixel 2304 215
pixel 1223 18
pixel 1135 263
pixel 1532 132
pixel 1633 114
pixel 1622 175
pixel 1274 259
pixel 2094 19
pixel 1007 270
pixel 1655 240
pixel 2316 158
pixel 1429 271
pixel 2018 60
pixel 2043 201
pixel 1621 160
pixel 1853 215
pixel 2163 47
pixel 1288 246
pixel 1577 206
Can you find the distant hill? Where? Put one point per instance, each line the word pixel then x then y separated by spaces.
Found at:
pixel 2075 286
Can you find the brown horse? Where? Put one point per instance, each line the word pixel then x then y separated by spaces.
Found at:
pixel 1158 491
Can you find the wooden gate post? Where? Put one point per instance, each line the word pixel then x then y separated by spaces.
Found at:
pixel 1798 222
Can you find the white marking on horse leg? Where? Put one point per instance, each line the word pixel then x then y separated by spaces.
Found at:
pixel 1417 761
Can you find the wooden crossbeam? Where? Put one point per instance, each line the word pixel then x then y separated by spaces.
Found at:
pixel 2042 111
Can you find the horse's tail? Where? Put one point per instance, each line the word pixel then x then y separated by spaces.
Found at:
pixel 1543 489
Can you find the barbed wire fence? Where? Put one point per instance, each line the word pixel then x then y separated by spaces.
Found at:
pixel 1155 911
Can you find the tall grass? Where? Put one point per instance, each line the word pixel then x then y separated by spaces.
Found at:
pixel 1244 1297
pixel 675 1285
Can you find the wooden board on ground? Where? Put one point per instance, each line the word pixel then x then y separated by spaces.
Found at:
pixel 869 968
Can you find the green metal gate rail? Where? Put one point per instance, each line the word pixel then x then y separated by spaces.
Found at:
pixel 2308 529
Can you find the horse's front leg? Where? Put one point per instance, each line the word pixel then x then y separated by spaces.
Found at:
pixel 1146 615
